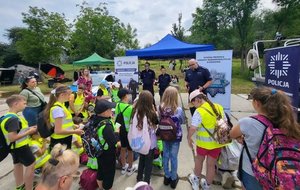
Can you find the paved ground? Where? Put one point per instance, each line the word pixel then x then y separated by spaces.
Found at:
pixel 240 107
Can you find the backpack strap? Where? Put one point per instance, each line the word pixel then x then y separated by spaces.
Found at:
pixel 124 109
pixel 263 120
pixel 35 95
pixel 210 134
pixel 214 115
pixel 267 123
pixel 163 113
pixel 103 122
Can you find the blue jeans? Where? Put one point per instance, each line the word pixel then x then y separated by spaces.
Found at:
pixel 170 154
pixel 250 182
pixel 30 114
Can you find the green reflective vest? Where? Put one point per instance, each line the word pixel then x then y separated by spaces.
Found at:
pixel 126 114
pixel 114 95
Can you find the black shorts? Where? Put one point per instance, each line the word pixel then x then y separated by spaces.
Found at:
pixel 124 139
pixel 64 141
pixel 23 155
pixel 106 169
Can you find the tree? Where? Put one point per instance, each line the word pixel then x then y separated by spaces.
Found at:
pixel 8 52
pixel 224 23
pixel 14 34
pixel 211 25
pixel 97 31
pixel 240 13
pixel 45 37
pixel 178 32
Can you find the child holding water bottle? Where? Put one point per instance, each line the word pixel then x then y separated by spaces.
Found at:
pixel 107 159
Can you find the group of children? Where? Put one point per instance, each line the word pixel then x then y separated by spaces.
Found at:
pixel 30 150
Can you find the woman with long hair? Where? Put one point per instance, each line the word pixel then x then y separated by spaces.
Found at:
pixel 276 107
pixel 60 169
pixel 86 80
pixel 144 108
pixel 35 100
pixel 169 106
pixel 59 117
pixel 203 123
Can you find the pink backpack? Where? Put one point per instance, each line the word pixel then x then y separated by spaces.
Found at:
pixel 139 140
pixel 277 163
pixel 88 180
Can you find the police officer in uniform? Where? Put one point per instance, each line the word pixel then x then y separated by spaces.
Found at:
pixel 197 77
pixel 148 78
pixel 163 81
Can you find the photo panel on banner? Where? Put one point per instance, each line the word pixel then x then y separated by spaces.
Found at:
pixel 219 63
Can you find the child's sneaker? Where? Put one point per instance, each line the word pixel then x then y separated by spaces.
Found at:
pixel 38 171
pixel 131 170
pixel 124 169
pixel 204 184
pixel 194 180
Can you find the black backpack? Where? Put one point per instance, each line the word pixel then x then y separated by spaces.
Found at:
pixel 120 118
pixel 4 147
pixel 44 129
pixel 90 139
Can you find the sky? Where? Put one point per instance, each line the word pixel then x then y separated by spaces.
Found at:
pixel 152 19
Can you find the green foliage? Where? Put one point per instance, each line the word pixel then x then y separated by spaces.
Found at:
pixel 97 31
pixel 45 38
pixel 178 30
pixel 14 34
pixel 225 23
pixel 211 24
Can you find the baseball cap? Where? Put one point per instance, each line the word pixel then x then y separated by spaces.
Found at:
pixel 194 94
pixel 104 83
pixel 140 186
pixel 122 92
pixel 103 105
pixel 116 84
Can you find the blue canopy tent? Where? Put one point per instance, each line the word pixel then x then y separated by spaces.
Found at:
pixel 170 48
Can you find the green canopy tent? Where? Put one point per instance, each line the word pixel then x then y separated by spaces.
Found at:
pixel 94 59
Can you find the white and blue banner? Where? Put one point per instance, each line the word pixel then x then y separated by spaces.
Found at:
pixel 126 68
pixel 219 63
pixel 282 70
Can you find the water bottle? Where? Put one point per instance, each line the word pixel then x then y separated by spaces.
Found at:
pixel 95 144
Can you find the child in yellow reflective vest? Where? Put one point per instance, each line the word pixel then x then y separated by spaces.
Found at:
pixel 39 147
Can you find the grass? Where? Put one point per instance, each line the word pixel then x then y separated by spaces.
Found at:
pixel 240 82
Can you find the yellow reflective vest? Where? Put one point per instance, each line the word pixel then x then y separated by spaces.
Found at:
pixel 78 101
pixel 80 150
pixel 23 128
pixel 67 123
pixel 203 139
pixel 104 90
pixel 40 160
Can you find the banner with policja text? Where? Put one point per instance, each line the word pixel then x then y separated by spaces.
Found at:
pixel 219 63
pixel 282 71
